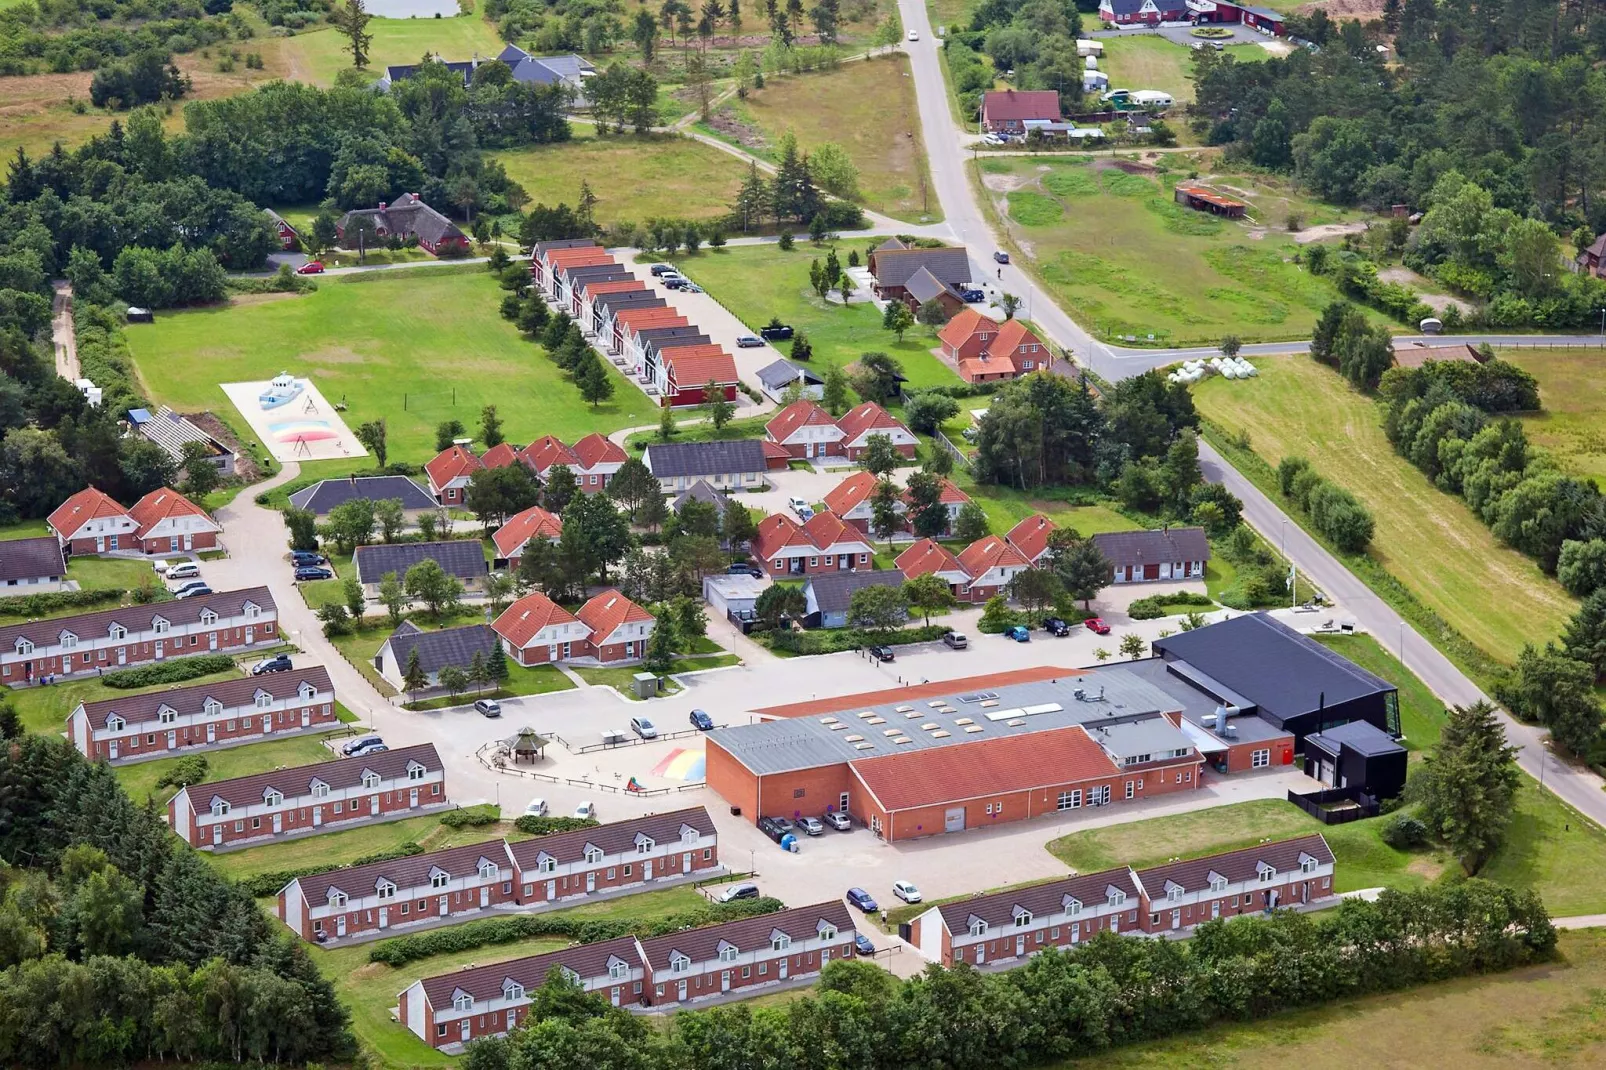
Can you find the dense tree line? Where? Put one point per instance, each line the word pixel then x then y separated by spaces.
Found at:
pixel 1034 39
pixel 1333 511
pixel 83 35
pixel 1109 992
pixel 121 944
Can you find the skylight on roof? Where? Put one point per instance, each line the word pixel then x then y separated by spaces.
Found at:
pixel 973 728
pixel 1046 707
pixel 828 720
pixel 912 714
pixel 864 746
pixel 893 732
pixel 875 720
pixel 941 733
pixel 978 696
pixel 839 726
pixel 990 703
pixel 866 713
pixel 930 726
pixel 902 739
pixel 964 720
pixel 903 709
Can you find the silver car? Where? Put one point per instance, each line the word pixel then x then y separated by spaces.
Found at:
pixel 840 820
pixel 810 825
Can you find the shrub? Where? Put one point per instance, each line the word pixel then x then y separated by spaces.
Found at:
pixel 264 884
pixel 996 616
pixel 1333 511
pixel 190 769
pixel 169 672
pixel 472 816
pixel 1155 605
pixel 1404 832
pixel 545 826
pixel 49 604
pixel 835 640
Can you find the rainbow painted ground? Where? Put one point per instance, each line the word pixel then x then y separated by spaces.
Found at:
pixel 682 764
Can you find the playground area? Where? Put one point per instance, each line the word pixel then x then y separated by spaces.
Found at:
pixel 303 427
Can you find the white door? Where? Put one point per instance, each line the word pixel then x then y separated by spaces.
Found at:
pixel 725 981
pixel 463 1031
pixel 211 733
pixel 113 746
pixel 1176 919
pixel 1020 946
pixel 278 824
pixel 384 917
pixel 172 739
pixel 981 954
pixel 683 991
pixel 1115 923
pixel 685 862
pixel 100 544
pixel 188 540
pixel 317 816
pixel 485 896
pixel 373 805
pixel 1076 932
pixel 122 655
pixel 551 889
pixel 267 724
pixel 954 819
pixel 340 926
pixel 159 653
pixel 217 835
pixel 613 995
pixel 412 797
pixel 306 718
pixel 1215 909
pixel 211 641
pixel 646 870
pixel 783 969
pixel 591 883
pixel 443 905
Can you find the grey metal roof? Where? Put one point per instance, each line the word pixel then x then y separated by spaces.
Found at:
pixel 1362 737
pixel 894 267
pixel 831 592
pixel 923 286
pixel 436 650
pixel 1152 547
pixel 1196 705
pixel 1153 736
pixel 1283 672
pixel 667 460
pixel 793 743
pixel 463 558
pixel 324 495
pixel 700 491
pixel 171 431
pixel 31 559
pixel 783 373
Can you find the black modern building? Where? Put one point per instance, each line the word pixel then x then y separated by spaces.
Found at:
pixel 1357 756
pixel 1256 664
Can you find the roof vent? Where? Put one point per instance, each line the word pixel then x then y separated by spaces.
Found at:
pixel 990 703
pixel 893 732
pixel 929 726
pixel 828 720
pixel 1016 723
pixel 875 720
pixel 853 739
pixel 912 714
pixel 903 709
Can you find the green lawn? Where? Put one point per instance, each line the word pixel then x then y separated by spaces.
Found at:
pixel 1421 712
pixel 339 848
pixel 759 281
pixel 1546 1015
pixel 369 989
pixel 317 55
pixel 623 680
pixel 521 680
pixel 1153 62
pixel 45 709
pixel 672 176
pixel 1574 397
pixel 866 107
pixel 746 427
pixel 1095 233
pixel 1426 538
pixel 412 347
pixel 140 780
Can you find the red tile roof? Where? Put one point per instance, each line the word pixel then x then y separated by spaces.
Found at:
pixel 985 767
pixel 88 504
pixel 640 319
pixel 927 555
pixel 605 612
pixel 450 463
pixel 937 689
pixel 523 620
pixel 776 531
pixel 1012 334
pixel 951 494
pixel 802 413
pixel 499 456
pixel 692 366
pixel 825 529
pixel 547 451
pixel 850 492
pixel 867 417
pixel 594 290
pixel 1030 536
pixel 533 523
pixel 959 329
pixel 990 551
pixel 774 449
pixel 159 505
pixel 597 449
pixel 1019 104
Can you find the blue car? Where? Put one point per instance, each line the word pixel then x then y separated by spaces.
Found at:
pixel 862 944
pixel 861 899
pixel 314 572
pixel 701 721
pixel 1018 633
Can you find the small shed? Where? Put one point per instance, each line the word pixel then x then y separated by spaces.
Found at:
pixel 733 597
pixel 645 685
pixel 1203 199
pixel 1356 755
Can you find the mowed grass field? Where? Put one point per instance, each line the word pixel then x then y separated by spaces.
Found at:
pixel 1573 423
pixel 1096 233
pixel 759 281
pixel 668 176
pixel 1549 1015
pixel 395 345
pixel 1153 62
pixel 867 107
pixel 317 55
pixel 1426 538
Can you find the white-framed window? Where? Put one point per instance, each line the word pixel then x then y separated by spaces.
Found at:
pixel 1259 759
pixel 385 890
pixel 488 871
pixel 1218 883
pixel 514 990
pixel 1173 894
pixel 252 611
pixel 264 700
pixel 208 616
pixel 462 1002
pixel 728 953
pixel 274 798
pixel 1023 918
pixel 1070 800
pixel 320 790
pixel 220 808
pixel 115 724
pixel 593 855
pixel 780 942
pixel 1307 865
pixel 644 846
pixel 337 899
pixel 1073 909
pixel 415 772
pixel 159 626
pixel 69 641
pixel 1267 875
pixel 1131 789
pixel 978 927
pixel 439 880
pixel 370 780
pixel 547 865
pixel 679 963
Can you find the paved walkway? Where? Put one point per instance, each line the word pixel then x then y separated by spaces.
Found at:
pixel 63 334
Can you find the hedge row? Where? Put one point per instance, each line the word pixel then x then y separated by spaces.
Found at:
pixel 1155 604
pixel 169 672
pixel 44 605
pixel 834 640
pixel 472 816
pixel 546 826
pixel 494 931
pixel 1333 511
pixel 269 883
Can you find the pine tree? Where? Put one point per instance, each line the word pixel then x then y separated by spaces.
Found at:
pixel 660 654
pixel 754 200
pixel 1469 784
pixel 413 678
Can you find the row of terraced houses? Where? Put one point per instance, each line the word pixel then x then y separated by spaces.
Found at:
pixel 632 322
pixel 592 461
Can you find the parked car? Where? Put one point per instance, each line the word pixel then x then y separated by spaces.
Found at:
pixel 862 944
pixel 745 568
pixel 973 296
pixel 488 707
pixel 701 721
pixel 882 653
pixel 862 899
pixel 810 825
pixel 191 592
pixel 184 570
pixel 361 745
pixel 783 823
pixel 1056 626
pixel 906 891
pixel 1097 625
pixel 537 808
pixel 1001 256
pixel 748 341
pixel 776 332
pixel 956 640
pixel 1019 633
pixel 663 269
pixel 277 663
pixel 311 267
pixel 798 505
pixel 744 890
pixel 191 585
pixel 303 558
pixel 692 287
pixel 586 811
pixel 840 820
pixel 643 727
pixel 914 35
pixel 314 572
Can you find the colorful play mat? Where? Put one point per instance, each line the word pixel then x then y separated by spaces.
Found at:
pixel 682 764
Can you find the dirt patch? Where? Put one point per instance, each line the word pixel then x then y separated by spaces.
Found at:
pixel 1328 230
pixel 245 466
pixel 1438 302
pixel 1429 868
pixel 745 134
pixel 1004 183
pixel 243 300
pixel 1131 167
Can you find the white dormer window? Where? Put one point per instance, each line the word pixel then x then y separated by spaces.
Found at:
pixel 780 942
pixel 1073 907
pixel 320 790
pixel 512 990
pixel 978 927
pixel 213 708
pixel 117 631
pixel 252 611
pixel 263 700
pixel 415 771
pixel 208 616
pixel 307 691
pixel 1117 897
pixel 337 899
pixel 617 969
pixel 679 963
pixel 159 625
pixel 385 890
pixel 273 798
pixel 24 646
pixel 69 641
pixel 593 854
pixel 827 931
pixel 462 1001
pixel 439 879
pixel 1267 874
pixel 644 846
pixel 547 864
pixel 1218 883
pixel 220 808
pixel 1307 864
pixel 488 871
pixel 370 779
pixel 1173 893
pixel 728 953
pixel 688 835
pixel 1023 917
pixel 115 723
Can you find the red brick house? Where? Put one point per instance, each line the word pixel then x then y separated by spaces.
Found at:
pixel 1030 536
pixel 928 556
pixel 91 522
pixel 824 544
pixel 966 335
pixel 159 724
pixel 407 217
pixel 850 500
pixel 398 894
pixel 449 474
pixel 1006 111
pixel 952 499
pixel 892 264
pixel 135 635
pixel 867 419
pixel 1180 895
pixel 1012 926
pixel 536 631
pixel 805 429
pixel 533 523
pixel 545 452
pixel 618 628
pixel 682 374
pixel 310 799
pixel 1148 12
pixel 643 851
pixel 451 1009
pixel 985 351
pixel 771 949
pixel 170 523
pixel 991 562
pixel 288 238
pixel 499 456
pixel 597 457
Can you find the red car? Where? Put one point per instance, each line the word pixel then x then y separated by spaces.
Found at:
pixel 311 267
pixel 1096 624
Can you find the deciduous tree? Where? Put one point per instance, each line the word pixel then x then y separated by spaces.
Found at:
pixel 928 594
